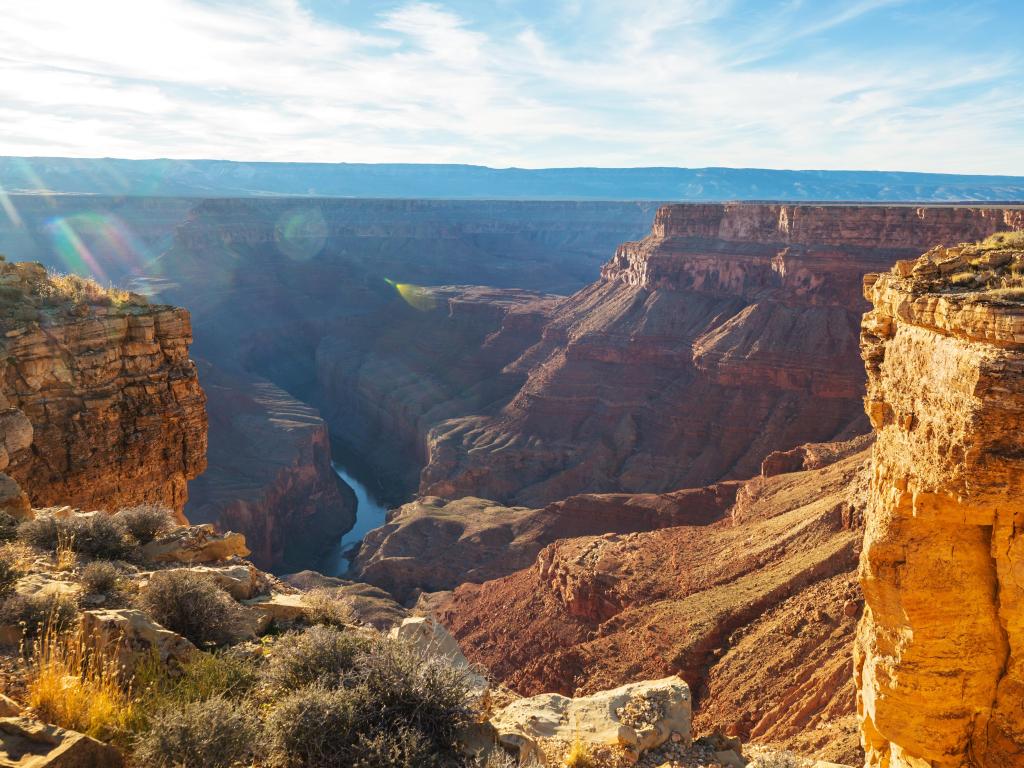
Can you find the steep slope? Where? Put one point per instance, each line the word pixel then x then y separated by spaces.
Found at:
pixel 727 333
pixel 270 474
pixel 117 414
pixel 754 607
pixel 940 650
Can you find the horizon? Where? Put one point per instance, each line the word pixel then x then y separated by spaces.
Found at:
pixel 830 86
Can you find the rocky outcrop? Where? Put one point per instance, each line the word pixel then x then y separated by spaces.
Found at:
pixel 26 743
pixel 754 607
pixel 433 544
pixel 270 474
pixel 940 650
pixel 633 718
pixel 728 333
pixel 115 407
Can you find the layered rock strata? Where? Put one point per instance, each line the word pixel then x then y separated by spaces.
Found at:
pixel 727 333
pixel 940 650
pixel 755 607
pixel 270 473
pixel 116 411
pixel 433 544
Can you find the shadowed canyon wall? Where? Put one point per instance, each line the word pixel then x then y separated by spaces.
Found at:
pixel 727 333
pixel 940 650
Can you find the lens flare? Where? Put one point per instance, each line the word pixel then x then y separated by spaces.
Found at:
pixel 96 245
pixel 415 296
pixel 9 209
pixel 301 234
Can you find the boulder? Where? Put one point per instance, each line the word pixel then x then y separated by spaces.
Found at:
pixel 242 581
pixel 45 585
pixel 431 638
pixel 195 544
pixel 9 707
pixel 13 500
pixel 134 635
pixel 27 743
pixel 635 717
pixel 279 608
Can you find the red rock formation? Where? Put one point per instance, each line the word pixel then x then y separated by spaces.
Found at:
pixel 270 473
pixel 729 332
pixel 117 413
pixel 432 544
pixel 755 608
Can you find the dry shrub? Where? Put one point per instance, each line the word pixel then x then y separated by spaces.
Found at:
pixel 92 535
pixel 144 522
pixel 8 527
pixel 324 607
pixel 74 684
pixel 100 577
pixel 9 575
pixel 319 655
pixel 214 733
pixel 191 604
pixel 580 755
pixel 39 614
pixel 80 290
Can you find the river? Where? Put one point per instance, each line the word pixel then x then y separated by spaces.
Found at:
pixel 371 513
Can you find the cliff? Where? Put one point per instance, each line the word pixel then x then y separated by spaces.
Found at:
pixel 270 474
pixel 941 646
pixel 753 603
pixel 117 414
pixel 726 334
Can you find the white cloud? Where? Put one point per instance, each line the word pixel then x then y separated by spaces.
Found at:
pixel 644 83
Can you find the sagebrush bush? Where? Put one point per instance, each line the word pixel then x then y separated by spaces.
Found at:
pixel 191 604
pixel 99 536
pixel 9 575
pixel 8 527
pixel 392 709
pixel 324 607
pixel 93 535
pixel 214 733
pixel 39 614
pixel 41 532
pixel 320 654
pixel 406 689
pixel 313 727
pixel 100 577
pixel 145 522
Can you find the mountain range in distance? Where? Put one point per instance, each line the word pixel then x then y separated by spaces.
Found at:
pixel 221 178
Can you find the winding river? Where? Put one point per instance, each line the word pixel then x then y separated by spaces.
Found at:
pixel 371 513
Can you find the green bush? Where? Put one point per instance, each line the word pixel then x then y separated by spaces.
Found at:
pixel 313 728
pixel 402 748
pixel 215 733
pixel 191 604
pixel 145 522
pixel 320 654
pixel 100 577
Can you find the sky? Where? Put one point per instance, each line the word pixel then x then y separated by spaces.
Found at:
pixel 915 85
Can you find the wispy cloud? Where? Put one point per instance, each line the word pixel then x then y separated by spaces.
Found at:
pixel 591 82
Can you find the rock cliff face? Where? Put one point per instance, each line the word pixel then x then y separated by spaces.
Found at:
pixel 270 473
pixel 727 333
pixel 117 414
pixel 940 650
pixel 753 603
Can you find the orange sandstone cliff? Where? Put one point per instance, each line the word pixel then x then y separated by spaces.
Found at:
pixel 116 411
pixel 940 649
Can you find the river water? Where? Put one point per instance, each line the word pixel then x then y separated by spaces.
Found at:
pixel 371 513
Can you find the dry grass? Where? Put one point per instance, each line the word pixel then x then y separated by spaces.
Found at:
pixel 67 558
pixel 1003 240
pixel 324 607
pixel 20 555
pixel 580 755
pixel 75 684
pixel 83 290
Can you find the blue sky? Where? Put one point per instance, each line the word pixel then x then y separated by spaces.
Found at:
pixel 923 85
